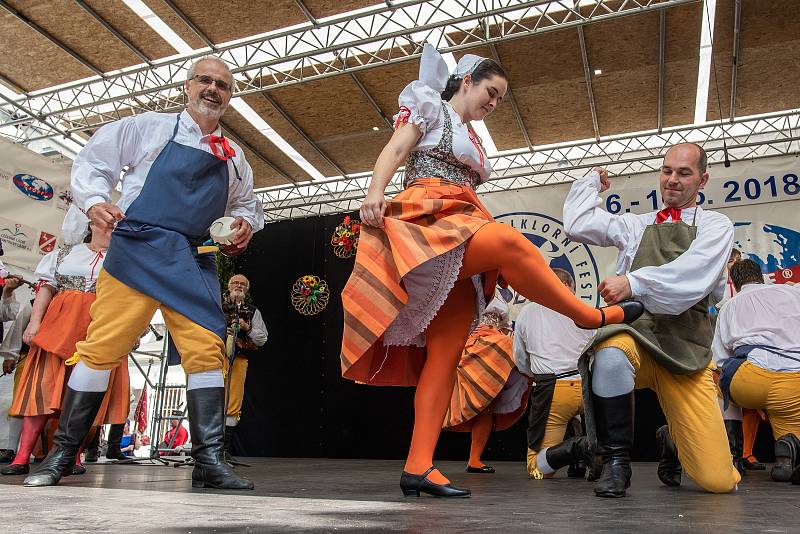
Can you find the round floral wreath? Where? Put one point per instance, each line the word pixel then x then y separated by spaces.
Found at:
pixel 310 295
pixel 345 238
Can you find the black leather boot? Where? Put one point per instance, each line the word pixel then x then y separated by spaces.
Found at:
pixel 207 425
pixel 787 457
pixel 577 467
pixel 614 419
pixel 92 448
pixel 229 431
pixel 570 452
pixel 669 467
pixel 733 427
pixel 113 451
pixel 78 411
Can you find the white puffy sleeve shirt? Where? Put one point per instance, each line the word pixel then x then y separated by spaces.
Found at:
pixel 135 142
pixel 81 262
pixel 671 288
pixel 547 342
pixel 423 106
pixel 761 315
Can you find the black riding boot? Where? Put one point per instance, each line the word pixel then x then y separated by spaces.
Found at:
pixel 669 467
pixel 733 427
pixel 787 457
pixel 229 431
pixel 113 451
pixel 570 452
pixel 207 425
pixel 91 449
pixel 577 467
pixel 78 411
pixel 614 418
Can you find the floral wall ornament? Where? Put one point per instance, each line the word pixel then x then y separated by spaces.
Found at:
pixel 310 295
pixel 345 238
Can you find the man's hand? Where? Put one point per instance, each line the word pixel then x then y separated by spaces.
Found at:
pixel 244 326
pixel 604 182
pixel 240 240
pixel 615 289
pixel 105 215
pixel 8 366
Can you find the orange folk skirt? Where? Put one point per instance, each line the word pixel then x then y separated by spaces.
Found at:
pixel 44 376
pixel 426 224
pixel 486 378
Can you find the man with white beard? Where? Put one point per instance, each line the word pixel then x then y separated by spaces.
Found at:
pixel 182 174
pixel 242 343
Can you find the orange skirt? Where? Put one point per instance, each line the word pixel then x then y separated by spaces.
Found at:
pixel 44 375
pixel 429 219
pixel 486 378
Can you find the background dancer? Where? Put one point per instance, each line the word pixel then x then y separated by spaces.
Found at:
pixel 411 299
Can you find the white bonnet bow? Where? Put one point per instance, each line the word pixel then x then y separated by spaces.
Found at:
pixel 433 69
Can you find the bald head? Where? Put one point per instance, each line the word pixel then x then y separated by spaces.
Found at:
pixel 700 156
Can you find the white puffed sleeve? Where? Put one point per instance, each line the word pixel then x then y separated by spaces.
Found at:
pixel 46 270
pixel 420 105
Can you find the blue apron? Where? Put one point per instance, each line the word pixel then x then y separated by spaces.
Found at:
pixel 731 365
pixel 154 249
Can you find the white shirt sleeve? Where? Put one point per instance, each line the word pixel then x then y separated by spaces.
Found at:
pixel 258 330
pixel 242 202
pixel 46 270
pixel 721 347
pixel 96 169
pixel 676 286
pixel 522 358
pixel 586 222
pixel 424 105
pixel 12 342
pixel 9 307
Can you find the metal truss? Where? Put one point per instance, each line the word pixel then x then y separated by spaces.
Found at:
pixel 746 138
pixel 381 35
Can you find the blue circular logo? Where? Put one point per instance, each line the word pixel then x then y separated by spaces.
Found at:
pixel 548 234
pixel 33 187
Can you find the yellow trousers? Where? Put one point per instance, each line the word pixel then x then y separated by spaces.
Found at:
pixel 236 392
pixel 119 316
pixel 695 422
pixel 776 393
pixel 567 403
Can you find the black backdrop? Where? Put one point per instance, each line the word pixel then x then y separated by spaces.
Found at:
pixel 296 403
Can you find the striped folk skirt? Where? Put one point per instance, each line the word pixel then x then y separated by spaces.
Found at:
pixel 402 276
pixel 487 378
pixel 44 375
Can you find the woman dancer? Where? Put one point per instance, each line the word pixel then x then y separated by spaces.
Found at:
pixel 490 394
pixel 412 297
pixel 58 321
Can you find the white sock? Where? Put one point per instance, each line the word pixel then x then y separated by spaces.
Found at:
pixel 231 420
pixel 541 462
pixel 84 378
pixel 205 379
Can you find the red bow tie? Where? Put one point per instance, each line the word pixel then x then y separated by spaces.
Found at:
pixel 224 151
pixel 664 214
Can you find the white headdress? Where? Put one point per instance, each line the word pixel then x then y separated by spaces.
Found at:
pixel 433 69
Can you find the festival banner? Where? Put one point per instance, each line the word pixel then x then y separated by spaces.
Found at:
pixel 761 197
pixel 34 194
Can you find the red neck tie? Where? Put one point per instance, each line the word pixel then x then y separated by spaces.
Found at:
pixel 664 214
pixel 224 151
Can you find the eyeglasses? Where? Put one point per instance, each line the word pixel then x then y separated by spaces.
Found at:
pixel 203 79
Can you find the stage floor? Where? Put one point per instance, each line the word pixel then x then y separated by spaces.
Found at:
pixel 317 495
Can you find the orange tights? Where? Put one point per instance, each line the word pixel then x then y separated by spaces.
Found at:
pixel 494 247
pixel 481 429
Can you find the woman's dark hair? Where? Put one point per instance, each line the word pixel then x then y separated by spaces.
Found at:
pixel 485 69
pixel 88 238
pixel 746 272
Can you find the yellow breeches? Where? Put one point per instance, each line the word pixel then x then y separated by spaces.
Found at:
pixel 567 403
pixel 236 391
pixel 119 316
pixel 695 422
pixel 776 393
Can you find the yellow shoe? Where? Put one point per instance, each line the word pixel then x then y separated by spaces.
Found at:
pixel 531 465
